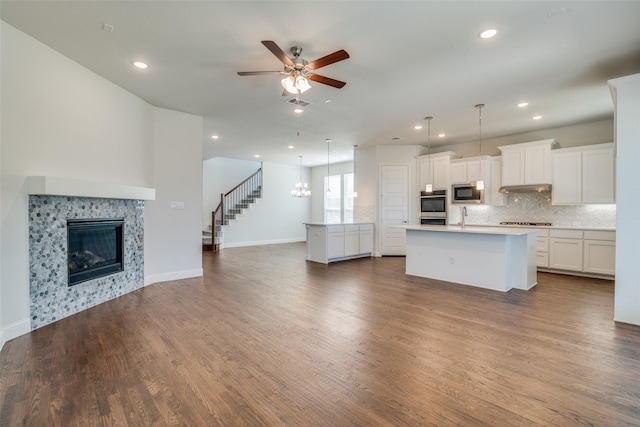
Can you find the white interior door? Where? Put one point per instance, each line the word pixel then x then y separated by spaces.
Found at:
pixel 393 208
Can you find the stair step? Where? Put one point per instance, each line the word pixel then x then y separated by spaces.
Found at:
pixel 242 206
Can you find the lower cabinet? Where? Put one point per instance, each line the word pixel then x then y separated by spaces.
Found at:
pixel 600 252
pixel 581 251
pixel 335 242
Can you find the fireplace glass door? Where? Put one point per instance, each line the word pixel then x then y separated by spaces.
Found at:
pixel 94 248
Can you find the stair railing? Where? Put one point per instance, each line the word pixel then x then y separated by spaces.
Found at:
pixel 236 199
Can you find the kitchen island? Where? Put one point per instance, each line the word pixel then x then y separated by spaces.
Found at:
pixel 338 241
pixel 486 257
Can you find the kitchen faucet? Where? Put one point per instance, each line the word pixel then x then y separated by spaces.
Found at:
pixel 463 213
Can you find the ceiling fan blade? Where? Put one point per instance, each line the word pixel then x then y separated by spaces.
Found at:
pixel 258 73
pixel 279 53
pixel 336 56
pixel 327 81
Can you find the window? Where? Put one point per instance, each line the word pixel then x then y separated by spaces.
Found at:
pixel 338 203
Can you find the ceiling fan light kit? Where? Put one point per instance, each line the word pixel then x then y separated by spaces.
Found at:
pixel 299 71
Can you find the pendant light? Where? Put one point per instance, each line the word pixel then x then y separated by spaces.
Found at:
pixel 355 193
pixel 328 181
pixel 301 190
pixel 429 186
pixel 480 184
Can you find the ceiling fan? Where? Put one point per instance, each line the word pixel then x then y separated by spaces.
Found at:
pixel 299 71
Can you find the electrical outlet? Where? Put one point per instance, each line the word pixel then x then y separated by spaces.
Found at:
pixel 452 260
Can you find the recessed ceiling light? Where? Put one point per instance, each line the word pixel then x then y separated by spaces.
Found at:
pixel 291 147
pixel 139 64
pixel 298 110
pixel 327 101
pixel 522 104
pixel 441 135
pixel 417 127
pixel 488 33
pixel 536 117
pixel 256 156
pixel 214 137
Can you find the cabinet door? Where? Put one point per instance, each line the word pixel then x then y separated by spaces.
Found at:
pixel 496 198
pixel 351 243
pixel 458 173
pixel 366 239
pixel 598 176
pixel 335 244
pixel 565 254
pixel 474 171
pixel 426 172
pixel 537 163
pixel 600 257
pixel 441 172
pixel 513 166
pixel 567 178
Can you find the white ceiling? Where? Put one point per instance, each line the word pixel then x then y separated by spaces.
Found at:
pixel 409 59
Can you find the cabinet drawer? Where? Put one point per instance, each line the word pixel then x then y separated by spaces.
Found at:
pixel 542 259
pixel 366 227
pixel 566 234
pixel 351 228
pixel 544 232
pixel 335 228
pixel 600 235
pixel 542 244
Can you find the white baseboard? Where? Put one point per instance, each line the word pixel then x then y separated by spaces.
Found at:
pixel 174 275
pixel 14 330
pixel 263 242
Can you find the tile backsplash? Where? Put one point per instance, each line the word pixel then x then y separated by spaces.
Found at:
pixel 537 207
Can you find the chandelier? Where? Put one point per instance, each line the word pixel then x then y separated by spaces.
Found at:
pixel 301 190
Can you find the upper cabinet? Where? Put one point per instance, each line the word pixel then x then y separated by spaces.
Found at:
pixel 434 169
pixel 584 175
pixel 482 168
pixel 528 163
pixel 471 169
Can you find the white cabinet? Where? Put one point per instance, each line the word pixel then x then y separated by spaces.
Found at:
pixel 527 163
pixel 600 252
pixel 584 175
pixel 542 249
pixel 496 198
pixel 434 169
pixel 598 174
pixel 565 249
pixel 334 242
pixel 468 170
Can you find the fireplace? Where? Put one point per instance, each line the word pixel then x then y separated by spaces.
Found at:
pixel 94 248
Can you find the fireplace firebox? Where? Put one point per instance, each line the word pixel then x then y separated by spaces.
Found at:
pixel 94 248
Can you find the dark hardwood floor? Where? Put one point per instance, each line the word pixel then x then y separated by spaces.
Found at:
pixel 268 339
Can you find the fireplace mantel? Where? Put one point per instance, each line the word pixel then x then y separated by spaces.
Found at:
pixel 56 186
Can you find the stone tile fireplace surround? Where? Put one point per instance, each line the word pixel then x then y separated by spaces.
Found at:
pixel 51 202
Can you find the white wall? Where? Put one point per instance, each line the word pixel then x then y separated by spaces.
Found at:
pixel 626 94
pixel 276 217
pixel 173 242
pixel 60 119
pixel 220 175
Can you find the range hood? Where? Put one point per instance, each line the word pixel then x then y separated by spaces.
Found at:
pixel 531 188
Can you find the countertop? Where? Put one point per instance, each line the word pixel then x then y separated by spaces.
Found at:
pixel 472 229
pixel 548 227
pixel 335 223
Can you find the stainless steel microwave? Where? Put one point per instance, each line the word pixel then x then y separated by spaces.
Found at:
pixel 466 194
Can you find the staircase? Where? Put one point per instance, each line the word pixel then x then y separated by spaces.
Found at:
pixel 232 204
